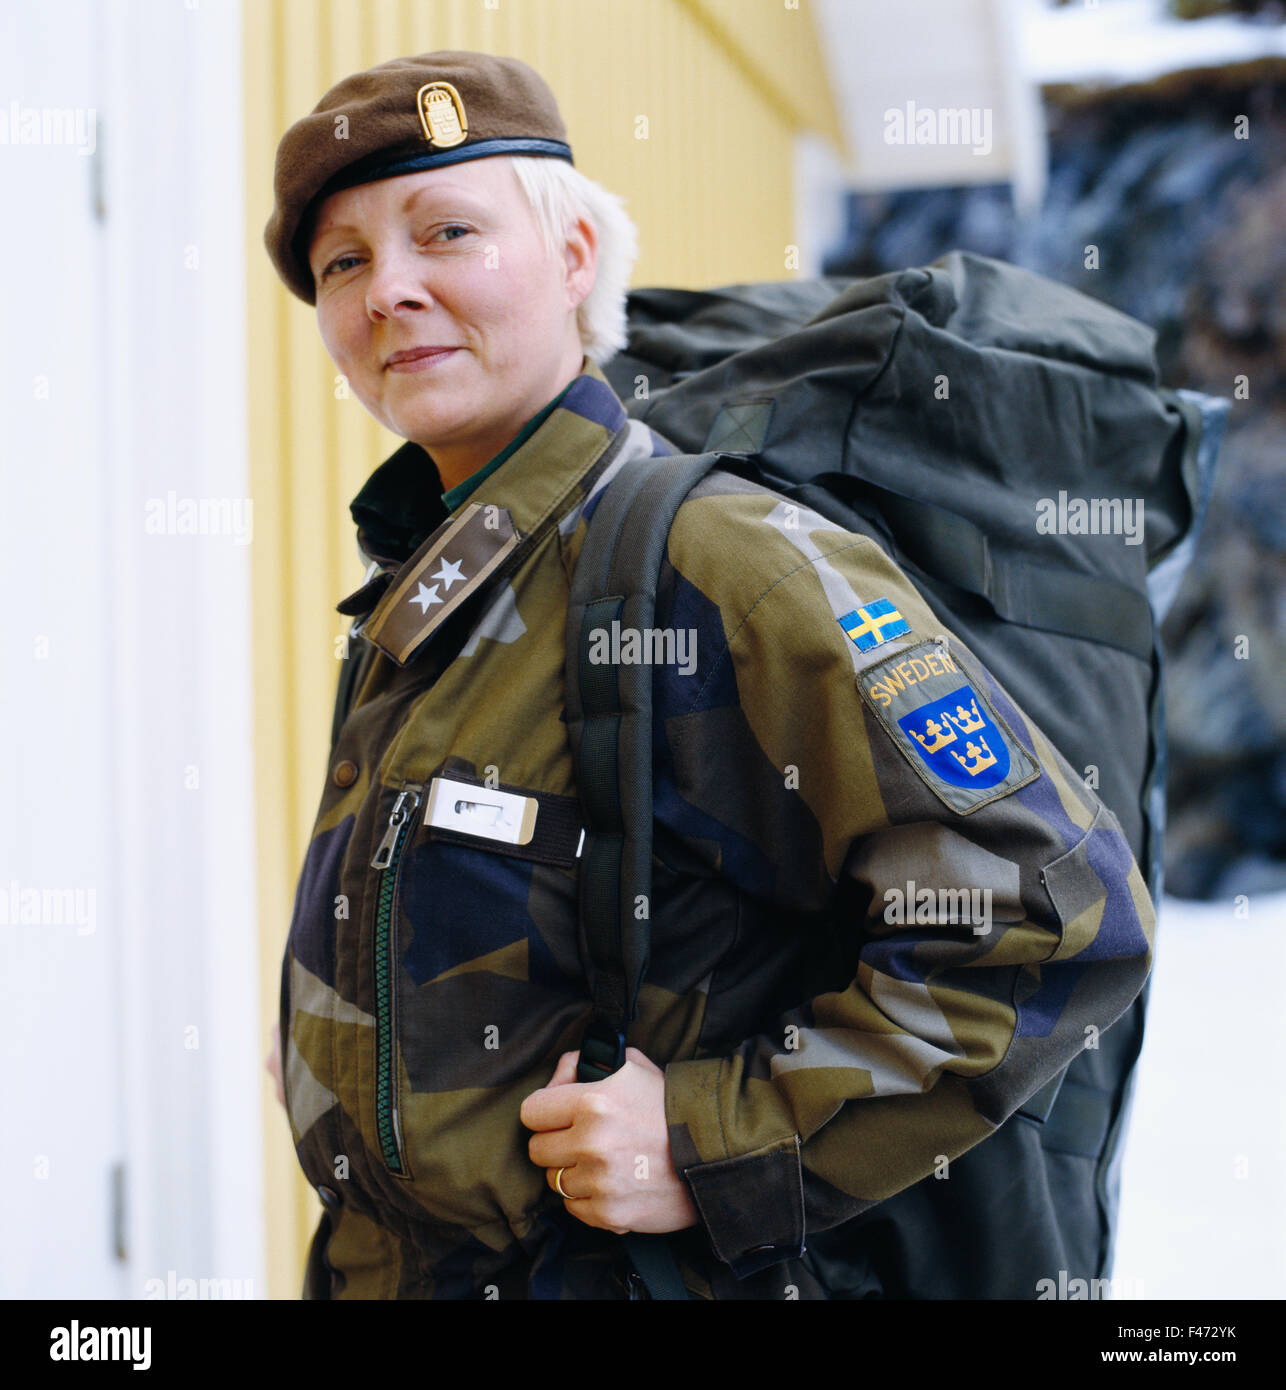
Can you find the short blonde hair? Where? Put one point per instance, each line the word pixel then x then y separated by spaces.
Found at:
pixel 559 194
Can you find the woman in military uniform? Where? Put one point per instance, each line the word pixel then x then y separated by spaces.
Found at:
pixel 791 1064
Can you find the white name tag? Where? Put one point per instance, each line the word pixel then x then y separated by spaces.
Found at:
pixel 482 811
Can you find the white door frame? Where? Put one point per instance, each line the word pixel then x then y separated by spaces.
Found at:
pixel 133 1046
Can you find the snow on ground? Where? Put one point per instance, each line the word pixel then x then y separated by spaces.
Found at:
pixel 1203 1207
pixel 1134 41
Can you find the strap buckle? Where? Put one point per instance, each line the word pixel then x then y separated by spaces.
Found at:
pixel 601 1053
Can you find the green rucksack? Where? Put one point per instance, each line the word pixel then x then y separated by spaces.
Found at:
pixel 1006 441
pixel 967 416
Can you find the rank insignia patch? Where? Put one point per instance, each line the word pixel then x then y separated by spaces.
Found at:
pixel 873 624
pixel 466 550
pixel 945 726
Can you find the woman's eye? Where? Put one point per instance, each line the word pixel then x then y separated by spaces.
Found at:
pixel 334 266
pixel 340 263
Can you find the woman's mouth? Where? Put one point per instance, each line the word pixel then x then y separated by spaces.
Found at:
pixel 418 359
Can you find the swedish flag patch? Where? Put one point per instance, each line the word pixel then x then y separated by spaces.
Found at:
pixel 873 624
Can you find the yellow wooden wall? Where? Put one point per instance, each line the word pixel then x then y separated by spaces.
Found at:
pixel 725 86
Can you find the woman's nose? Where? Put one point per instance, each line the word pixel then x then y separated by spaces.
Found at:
pixel 396 284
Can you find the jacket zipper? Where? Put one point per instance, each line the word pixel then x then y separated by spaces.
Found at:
pixel 387 859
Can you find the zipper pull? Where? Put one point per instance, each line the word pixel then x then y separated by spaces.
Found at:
pixel 397 819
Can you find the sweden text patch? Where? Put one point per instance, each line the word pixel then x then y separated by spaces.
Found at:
pixel 938 716
pixel 872 624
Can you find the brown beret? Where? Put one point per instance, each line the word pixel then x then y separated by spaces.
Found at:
pixel 400 117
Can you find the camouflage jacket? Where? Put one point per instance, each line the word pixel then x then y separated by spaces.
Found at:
pixel 885 910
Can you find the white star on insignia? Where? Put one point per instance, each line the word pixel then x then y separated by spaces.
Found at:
pixel 449 573
pixel 425 597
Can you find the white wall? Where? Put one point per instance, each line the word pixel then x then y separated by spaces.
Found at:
pixel 919 60
pixel 129 1040
pixel 821 187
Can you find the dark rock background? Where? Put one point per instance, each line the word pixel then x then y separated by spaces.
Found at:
pixel 1190 223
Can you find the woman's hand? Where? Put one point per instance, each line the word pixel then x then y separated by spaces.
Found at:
pixel 610 1140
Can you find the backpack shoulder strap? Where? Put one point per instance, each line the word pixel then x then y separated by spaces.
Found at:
pixel 609 722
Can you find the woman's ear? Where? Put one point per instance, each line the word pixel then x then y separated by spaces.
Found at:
pixel 580 255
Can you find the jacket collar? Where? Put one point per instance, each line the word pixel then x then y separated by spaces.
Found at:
pixel 398 506
pixel 490 535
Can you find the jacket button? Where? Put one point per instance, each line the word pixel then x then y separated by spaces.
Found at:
pixel 345 773
pixel 330 1198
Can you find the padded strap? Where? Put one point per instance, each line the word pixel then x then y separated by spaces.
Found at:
pixel 609 720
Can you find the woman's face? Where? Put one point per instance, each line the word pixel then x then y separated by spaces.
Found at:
pixel 449 259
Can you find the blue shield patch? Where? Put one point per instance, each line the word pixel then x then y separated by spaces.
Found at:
pixel 955 736
pixel 931 703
